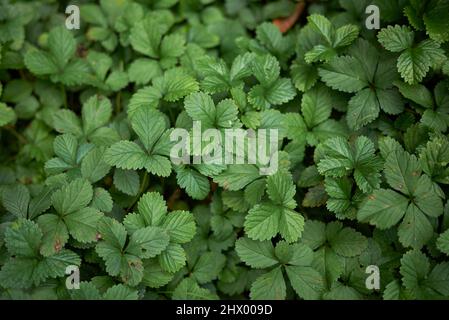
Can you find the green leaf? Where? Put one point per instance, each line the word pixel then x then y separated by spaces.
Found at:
pixel 414 63
pixel 76 195
pixel 180 225
pixel 443 242
pixel 62 45
pixel 304 76
pixel 436 22
pixel 40 62
pixel 55 233
pixel 343 73
pixel 270 286
pixel 66 121
pixel 120 292
pixel 149 125
pixel 308 283
pixel 402 171
pixel 256 254
pixel 40 203
pixel 226 114
pixel 417 93
pixel 301 256
pixel 278 92
pixel 66 147
pixel 146 36
pixel 396 38
pixel 438 279
pixel 208 267
pixel 322 25
pixel 390 101
pixel 23 238
pixel 117 80
pixel 384 208
pixel 291 225
pixel 152 240
pixel 270 36
pixel 118 261
pixel 172 46
pixel 348 242
pixel 15 199
pixel 415 230
pixel 175 84
pixel 340 157
pixel 345 35
pixel 82 224
pixel 173 258
pixel 96 113
pixel 414 268
pixel 152 208
pixel 93 166
pixel 86 291
pixel 196 185
pixel 153 275
pixel 147 97
pixel 426 199
pixel 112 232
pixel 75 73
pixel 126 155
pixel 200 107
pixel 55 265
pixel 262 222
pixel 266 69
pixel 127 181
pixel 363 108
pixel 316 106
pixel 188 289
pixel 236 177
pixel 20 273
pixel 102 200
pixel 281 190
pixel 7 114
pixel 142 71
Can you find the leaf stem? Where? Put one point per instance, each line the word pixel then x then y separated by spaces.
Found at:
pixel 64 96
pixel 118 102
pixel 284 24
pixel 143 186
pixel 14 132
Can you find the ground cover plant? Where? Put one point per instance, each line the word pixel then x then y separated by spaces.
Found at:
pixel 89 188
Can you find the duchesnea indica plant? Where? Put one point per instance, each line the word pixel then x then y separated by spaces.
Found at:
pixel 95 203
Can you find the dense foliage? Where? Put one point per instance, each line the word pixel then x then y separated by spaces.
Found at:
pixel 86 177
